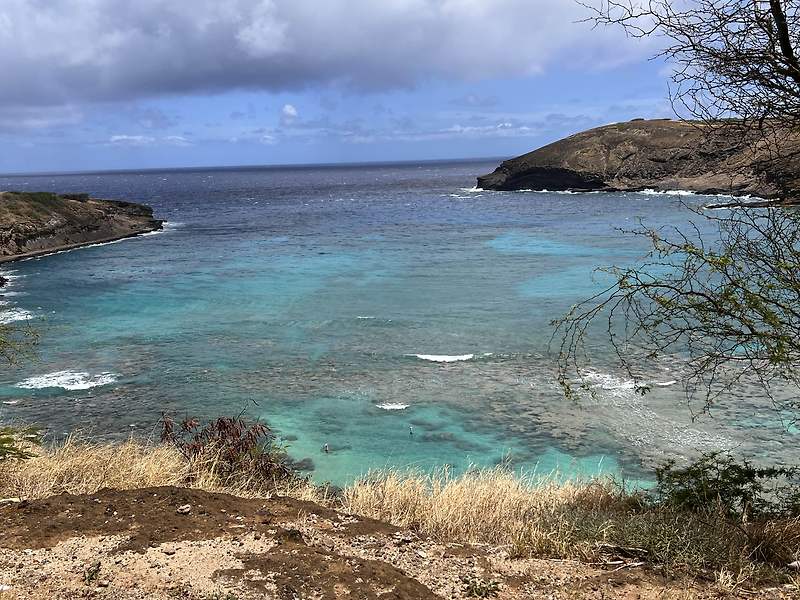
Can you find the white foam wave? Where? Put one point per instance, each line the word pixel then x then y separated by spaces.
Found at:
pixel 443 358
pixel 68 380
pixel 14 314
pixel 473 190
pixel 633 418
pixel 560 192
pixel 392 406
pixel 10 402
pixel 651 192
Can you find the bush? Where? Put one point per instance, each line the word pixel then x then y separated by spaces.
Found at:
pixel 717 482
pixel 234 449
pixel 15 443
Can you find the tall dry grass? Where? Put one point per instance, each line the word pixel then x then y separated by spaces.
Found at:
pixel 534 515
pixel 80 466
pixel 589 520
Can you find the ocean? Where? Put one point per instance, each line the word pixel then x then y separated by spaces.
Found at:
pixel 392 311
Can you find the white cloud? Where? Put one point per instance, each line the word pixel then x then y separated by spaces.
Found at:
pixel 288 113
pixel 62 51
pixel 131 140
pixel 147 140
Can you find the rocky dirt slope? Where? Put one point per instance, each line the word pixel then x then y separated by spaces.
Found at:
pixel 658 154
pixel 38 223
pixel 166 542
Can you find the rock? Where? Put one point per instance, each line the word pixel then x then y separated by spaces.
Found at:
pixel 32 224
pixel 795 566
pixel 659 154
pixel 103 583
pixel 184 510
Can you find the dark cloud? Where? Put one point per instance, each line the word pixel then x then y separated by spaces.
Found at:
pixel 66 52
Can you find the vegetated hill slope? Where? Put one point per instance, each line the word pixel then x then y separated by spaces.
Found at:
pixel 635 155
pixel 38 223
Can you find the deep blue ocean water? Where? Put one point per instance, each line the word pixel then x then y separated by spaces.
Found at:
pixel 352 306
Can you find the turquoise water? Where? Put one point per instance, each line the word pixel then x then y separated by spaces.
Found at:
pixel 391 312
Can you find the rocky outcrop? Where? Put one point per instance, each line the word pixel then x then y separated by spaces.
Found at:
pixel 658 154
pixel 32 224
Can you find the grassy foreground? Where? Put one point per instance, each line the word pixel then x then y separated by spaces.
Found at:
pixel 595 521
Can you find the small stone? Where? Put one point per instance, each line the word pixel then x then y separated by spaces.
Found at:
pixel 185 509
pixel 794 565
pixel 103 583
pixel 169 551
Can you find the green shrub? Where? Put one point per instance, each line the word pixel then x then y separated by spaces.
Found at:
pixel 739 489
pixel 15 443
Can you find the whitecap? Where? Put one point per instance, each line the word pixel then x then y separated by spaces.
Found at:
pixel 473 190
pixel 392 406
pixel 664 383
pixel 443 358
pixel 14 314
pixel 10 402
pixel 68 380
pixel 652 192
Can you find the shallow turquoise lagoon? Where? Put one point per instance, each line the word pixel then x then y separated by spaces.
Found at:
pixel 352 306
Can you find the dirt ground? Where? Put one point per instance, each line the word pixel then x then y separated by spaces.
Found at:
pixel 171 543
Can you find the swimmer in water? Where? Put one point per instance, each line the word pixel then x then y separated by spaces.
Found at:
pixel 326 448
pixel 410 430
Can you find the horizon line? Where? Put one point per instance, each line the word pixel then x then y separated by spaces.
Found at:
pixel 244 167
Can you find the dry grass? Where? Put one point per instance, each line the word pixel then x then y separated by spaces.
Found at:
pixel 79 466
pixel 593 520
pixel 538 515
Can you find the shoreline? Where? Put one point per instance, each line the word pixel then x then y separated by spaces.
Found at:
pixel 75 246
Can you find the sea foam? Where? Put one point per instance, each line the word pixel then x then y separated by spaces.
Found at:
pixel 68 380
pixel 14 314
pixel 392 406
pixel 443 358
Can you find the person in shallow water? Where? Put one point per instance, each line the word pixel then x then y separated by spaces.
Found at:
pixel 326 448
pixel 410 430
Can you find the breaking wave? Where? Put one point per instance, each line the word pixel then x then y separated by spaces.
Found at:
pixel 68 380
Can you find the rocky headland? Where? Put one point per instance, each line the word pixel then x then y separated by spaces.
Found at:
pixel 661 155
pixel 33 224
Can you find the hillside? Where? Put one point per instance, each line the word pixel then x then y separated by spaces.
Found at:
pixel 32 224
pixel 658 154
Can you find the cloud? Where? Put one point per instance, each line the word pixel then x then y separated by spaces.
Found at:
pixel 288 114
pixel 67 51
pixel 147 140
pixel 475 101
pixel 27 119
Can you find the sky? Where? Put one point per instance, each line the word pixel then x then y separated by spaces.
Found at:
pixel 118 84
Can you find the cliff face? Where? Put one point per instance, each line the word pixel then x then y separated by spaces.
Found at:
pixel 38 223
pixel 659 154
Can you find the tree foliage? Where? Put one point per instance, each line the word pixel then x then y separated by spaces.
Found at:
pixel 735 66
pixel 726 304
pixel 15 342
